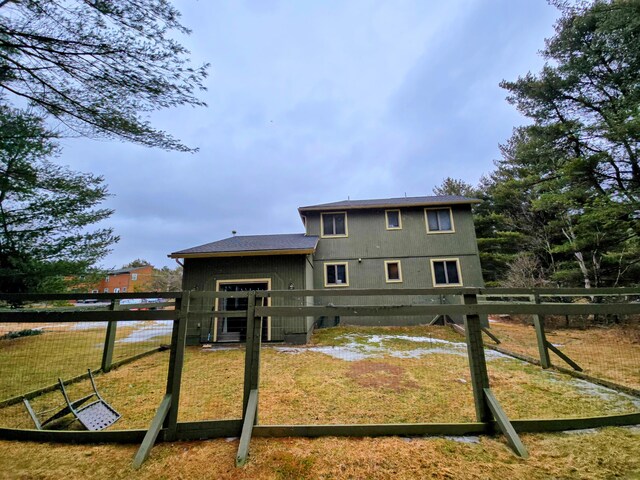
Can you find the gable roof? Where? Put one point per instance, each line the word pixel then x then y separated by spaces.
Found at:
pixel 247 245
pixel 393 202
pixel 121 271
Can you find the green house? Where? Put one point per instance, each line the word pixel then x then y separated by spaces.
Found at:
pixel 410 242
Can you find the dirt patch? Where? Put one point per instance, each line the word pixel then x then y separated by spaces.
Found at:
pixel 381 375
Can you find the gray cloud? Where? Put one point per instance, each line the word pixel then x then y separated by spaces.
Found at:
pixel 313 102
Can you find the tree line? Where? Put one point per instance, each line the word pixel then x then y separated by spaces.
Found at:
pixel 77 68
pixel 562 206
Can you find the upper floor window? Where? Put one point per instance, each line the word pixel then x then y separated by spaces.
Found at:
pixel 393 271
pixel 116 290
pixel 334 224
pixel 106 290
pixel 106 279
pixel 134 277
pixel 394 220
pixel 439 220
pixel 336 274
pixel 446 272
pixel 124 289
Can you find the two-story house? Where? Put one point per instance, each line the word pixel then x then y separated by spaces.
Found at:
pixel 410 242
pixel 133 279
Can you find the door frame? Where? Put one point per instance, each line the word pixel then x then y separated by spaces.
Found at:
pixel 241 280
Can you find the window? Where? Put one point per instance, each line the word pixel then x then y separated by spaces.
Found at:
pixel 336 275
pixel 394 221
pixel 94 291
pixel 393 271
pixel 134 277
pixel 106 279
pixel 334 224
pixel 116 290
pixel 439 220
pixel 106 290
pixel 446 272
pixel 124 289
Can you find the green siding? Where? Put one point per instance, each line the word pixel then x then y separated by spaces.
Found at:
pixel 369 238
pixel 369 244
pixel 365 249
pixel 283 270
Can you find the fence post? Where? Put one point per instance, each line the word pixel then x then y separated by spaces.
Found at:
pixel 252 354
pixel 110 339
pixel 477 361
pixel 251 379
pixel 176 363
pixel 538 322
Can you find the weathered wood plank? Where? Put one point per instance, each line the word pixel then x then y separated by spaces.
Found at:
pixel 154 429
pixel 73 436
pixel 490 334
pixel 563 356
pixel 505 425
pixel 209 429
pixel 176 364
pixel 371 430
pixel 538 323
pixel 110 339
pixel 477 361
pixel 562 424
pixel 247 428
pixel 33 297
pixel 449 309
pixel 39 316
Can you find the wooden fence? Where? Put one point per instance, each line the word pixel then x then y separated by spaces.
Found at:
pixel 474 303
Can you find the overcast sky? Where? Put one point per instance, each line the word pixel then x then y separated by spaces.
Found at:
pixel 314 102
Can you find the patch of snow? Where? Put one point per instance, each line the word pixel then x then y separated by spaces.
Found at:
pixel 463 438
pixel 582 431
pixel 360 347
pixel 158 328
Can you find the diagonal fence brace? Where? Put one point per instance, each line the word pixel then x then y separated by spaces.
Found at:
pixel 152 433
pixel 504 424
pixel 247 428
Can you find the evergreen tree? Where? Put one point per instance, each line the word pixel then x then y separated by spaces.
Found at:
pixel 46 210
pixel 98 66
pixel 575 171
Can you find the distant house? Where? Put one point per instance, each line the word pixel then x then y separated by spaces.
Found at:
pixel 415 242
pixel 133 279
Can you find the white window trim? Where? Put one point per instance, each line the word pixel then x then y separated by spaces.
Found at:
pixel 219 283
pixel 386 271
pixel 386 218
pixel 346 274
pixel 433 272
pixel 116 290
pixel 346 225
pixel 106 290
pixel 134 277
pixel 433 232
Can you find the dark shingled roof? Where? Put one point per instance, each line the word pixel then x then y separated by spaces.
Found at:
pixel 393 202
pixel 126 270
pixel 255 244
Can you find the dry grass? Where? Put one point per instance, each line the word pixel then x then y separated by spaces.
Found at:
pixel 305 386
pixel 609 353
pixel 28 363
pixel 607 453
